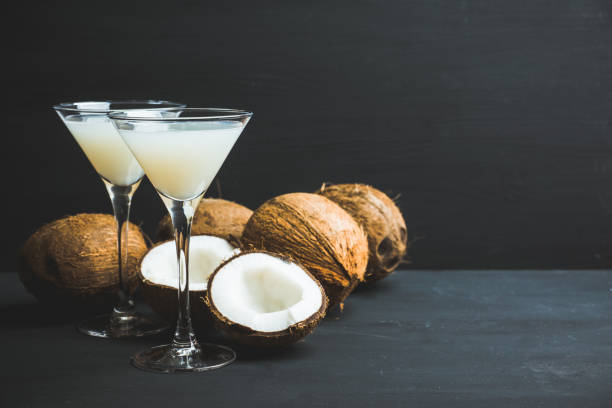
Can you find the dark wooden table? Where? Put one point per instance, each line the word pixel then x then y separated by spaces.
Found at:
pixel 418 339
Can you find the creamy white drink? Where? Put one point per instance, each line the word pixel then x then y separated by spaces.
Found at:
pixel 181 159
pixel 104 148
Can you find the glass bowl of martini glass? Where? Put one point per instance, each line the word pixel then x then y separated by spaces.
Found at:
pixel 89 124
pixel 181 151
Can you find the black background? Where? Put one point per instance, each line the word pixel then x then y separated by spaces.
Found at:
pixel 490 118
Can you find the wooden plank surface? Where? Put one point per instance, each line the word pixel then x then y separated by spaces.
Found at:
pixel 420 338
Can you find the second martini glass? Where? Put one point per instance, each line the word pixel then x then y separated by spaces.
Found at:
pixel 181 151
pixel 94 132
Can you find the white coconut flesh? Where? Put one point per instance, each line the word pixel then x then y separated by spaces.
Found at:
pixel 206 253
pixel 264 293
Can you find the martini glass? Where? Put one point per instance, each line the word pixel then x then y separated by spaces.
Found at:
pixel 181 151
pixel 88 122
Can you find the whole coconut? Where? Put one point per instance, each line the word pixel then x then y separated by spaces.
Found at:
pixel 73 260
pixel 214 216
pixel 381 220
pixel 318 234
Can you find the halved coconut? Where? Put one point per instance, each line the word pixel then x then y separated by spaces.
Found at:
pixel 263 299
pixel 159 275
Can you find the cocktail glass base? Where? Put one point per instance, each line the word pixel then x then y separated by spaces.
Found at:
pixel 170 358
pixel 138 325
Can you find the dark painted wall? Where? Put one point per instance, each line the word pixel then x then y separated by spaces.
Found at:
pixel 490 118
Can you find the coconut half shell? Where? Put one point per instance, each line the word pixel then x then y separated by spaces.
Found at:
pixel 380 218
pixel 159 276
pixel 274 300
pixel 214 216
pixel 73 260
pixel 315 232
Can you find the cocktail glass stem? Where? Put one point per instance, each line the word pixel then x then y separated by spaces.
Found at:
pixel 123 313
pixel 183 353
pixel 181 213
pixel 124 320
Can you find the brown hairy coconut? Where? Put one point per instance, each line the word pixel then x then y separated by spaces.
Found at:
pixel 159 276
pixel 73 260
pixel 315 232
pixel 380 218
pixel 263 299
pixel 214 216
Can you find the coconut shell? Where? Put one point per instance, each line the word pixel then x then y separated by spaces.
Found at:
pixel 315 232
pixel 163 300
pixel 247 336
pixel 214 216
pixel 73 260
pixel 380 218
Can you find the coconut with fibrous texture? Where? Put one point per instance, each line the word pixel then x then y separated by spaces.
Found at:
pixel 214 216
pixel 380 218
pixel 315 232
pixel 262 299
pixel 73 260
pixel 159 276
